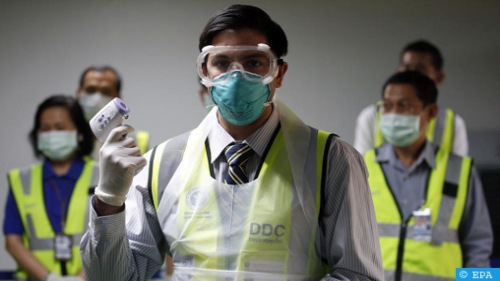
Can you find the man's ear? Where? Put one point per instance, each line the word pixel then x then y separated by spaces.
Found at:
pixel 204 69
pixel 440 77
pixel 202 92
pixel 281 73
pixel 432 110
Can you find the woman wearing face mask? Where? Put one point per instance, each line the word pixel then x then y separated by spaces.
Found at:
pixel 46 209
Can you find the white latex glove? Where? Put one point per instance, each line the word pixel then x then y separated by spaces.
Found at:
pixel 119 158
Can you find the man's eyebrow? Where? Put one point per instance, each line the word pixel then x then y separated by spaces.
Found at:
pixel 245 56
pixel 254 55
pixel 220 56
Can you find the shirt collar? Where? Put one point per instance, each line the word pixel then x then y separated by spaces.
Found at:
pixel 386 153
pixel 218 138
pixel 73 173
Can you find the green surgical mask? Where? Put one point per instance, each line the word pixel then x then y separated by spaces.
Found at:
pixel 240 100
pixel 399 129
pixel 57 145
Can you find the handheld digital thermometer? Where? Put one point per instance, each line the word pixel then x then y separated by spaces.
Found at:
pixel 108 118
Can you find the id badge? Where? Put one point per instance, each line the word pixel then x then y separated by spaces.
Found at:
pixel 422 229
pixel 62 246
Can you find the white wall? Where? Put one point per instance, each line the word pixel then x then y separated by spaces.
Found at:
pixel 340 53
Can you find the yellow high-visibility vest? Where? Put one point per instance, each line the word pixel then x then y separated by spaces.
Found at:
pixel 38 235
pixel 403 257
pixel 204 234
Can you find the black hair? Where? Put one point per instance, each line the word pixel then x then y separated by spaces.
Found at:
pixel 102 69
pixel 425 47
pixel 239 17
pixel 86 144
pixel 425 87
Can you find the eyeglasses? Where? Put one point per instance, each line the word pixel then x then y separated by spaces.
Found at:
pixel 404 107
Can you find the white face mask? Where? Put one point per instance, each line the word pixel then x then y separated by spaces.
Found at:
pixel 399 129
pixel 92 103
pixel 57 145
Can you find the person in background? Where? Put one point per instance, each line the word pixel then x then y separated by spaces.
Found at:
pixel 251 194
pixel 447 129
pixel 98 85
pixel 46 210
pixel 431 212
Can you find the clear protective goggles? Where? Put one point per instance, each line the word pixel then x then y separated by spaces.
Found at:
pixel 215 61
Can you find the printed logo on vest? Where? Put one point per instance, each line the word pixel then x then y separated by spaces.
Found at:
pixel 270 234
pixel 196 199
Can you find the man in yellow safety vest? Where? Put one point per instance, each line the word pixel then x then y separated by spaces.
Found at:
pixel 251 194
pixel 431 212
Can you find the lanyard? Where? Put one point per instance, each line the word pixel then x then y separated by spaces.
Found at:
pixel 62 203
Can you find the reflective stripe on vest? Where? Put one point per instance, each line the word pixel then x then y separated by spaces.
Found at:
pixel 440 130
pixel 446 197
pixel 379 136
pixel 166 158
pixel 38 234
pixel 142 139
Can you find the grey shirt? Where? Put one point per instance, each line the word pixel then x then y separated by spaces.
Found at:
pixel 409 187
pixel 130 245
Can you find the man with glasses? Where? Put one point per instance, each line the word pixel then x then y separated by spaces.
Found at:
pixel 431 212
pixel 251 194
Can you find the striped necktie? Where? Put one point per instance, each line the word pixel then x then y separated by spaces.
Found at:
pixel 237 155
